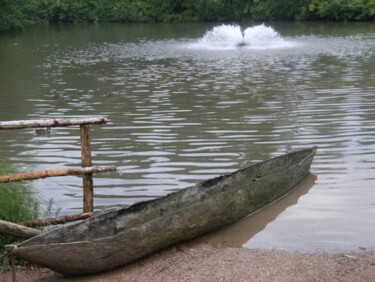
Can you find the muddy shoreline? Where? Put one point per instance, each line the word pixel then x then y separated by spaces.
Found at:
pixel 203 262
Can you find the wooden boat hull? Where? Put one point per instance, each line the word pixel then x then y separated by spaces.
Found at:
pixel 119 237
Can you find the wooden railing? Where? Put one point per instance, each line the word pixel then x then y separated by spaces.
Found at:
pixel 86 170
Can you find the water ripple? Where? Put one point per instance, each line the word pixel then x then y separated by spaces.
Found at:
pixel 180 114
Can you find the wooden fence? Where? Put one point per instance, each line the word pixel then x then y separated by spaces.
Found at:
pixel 86 170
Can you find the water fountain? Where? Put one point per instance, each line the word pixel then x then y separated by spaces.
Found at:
pixel 232 37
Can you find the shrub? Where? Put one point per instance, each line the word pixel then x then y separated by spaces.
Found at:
pixel 17 204
pixel 17 14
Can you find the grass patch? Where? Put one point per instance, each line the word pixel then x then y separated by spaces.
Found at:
pixel 17 204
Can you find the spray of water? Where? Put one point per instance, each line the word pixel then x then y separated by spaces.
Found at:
pixel 223 36
pixel 226 37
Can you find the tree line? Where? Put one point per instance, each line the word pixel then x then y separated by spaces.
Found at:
pixel 17 14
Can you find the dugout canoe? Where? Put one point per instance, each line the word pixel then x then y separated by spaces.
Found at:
pixel 113 239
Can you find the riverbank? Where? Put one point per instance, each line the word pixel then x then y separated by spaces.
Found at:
pixel 16 15
pixel 202 262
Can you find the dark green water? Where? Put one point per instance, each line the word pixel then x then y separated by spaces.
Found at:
pixel 185 107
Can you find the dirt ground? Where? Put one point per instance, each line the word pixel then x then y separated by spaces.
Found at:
pixel 202 262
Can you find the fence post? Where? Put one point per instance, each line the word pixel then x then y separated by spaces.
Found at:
pixel 86 169
pixel 88 190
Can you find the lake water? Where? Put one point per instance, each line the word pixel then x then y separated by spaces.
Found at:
pixel 187 102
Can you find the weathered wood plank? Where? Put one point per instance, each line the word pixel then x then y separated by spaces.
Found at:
pixel 54 173
pixel 57 220
pixel 51 122
pixel 17 230
pixel 88 183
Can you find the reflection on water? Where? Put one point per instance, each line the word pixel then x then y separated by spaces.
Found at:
pixel 237 234
pixel 180 114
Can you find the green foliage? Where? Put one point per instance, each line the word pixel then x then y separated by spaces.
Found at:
pixel 220 10
pixel 10 16
pixel 334 10
pixel 274 10
pixel 16 14
pixel 17 204
pixel 68 10
pixel 341 10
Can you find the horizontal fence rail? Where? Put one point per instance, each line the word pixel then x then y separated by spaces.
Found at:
pixel 58 122
pixel 54 173
pixel 86 170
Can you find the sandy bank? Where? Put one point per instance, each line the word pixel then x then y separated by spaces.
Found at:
pixel 201 262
